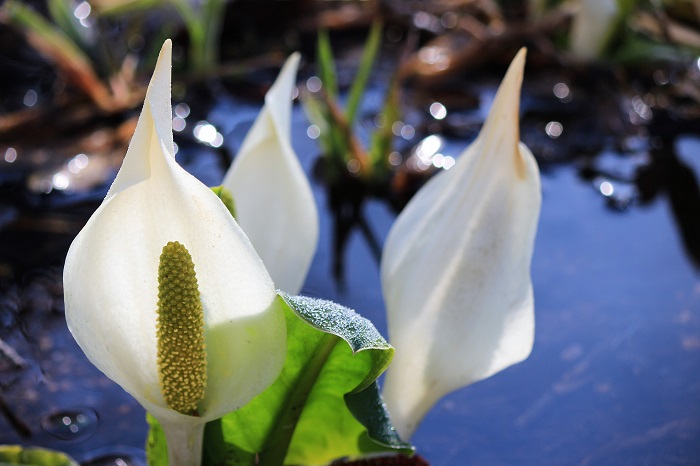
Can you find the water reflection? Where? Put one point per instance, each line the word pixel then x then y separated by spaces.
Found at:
pixel 82 14
pixel 10 155
pixel 82 11
pixel 74 424
pixel 313 132
pixel 667 173
pixel 207 133
pixel 640 112
pixel 554 129
pixel 78 174
pixel 657 172
pixel 427 154
pixel 562 92
pixel 182 110
pixel 30 98
pixel 313 84
pixel 606 188
pixel 438 111
pixel 437 57
pixel 114 456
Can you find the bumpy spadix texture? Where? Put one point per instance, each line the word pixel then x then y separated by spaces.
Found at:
pixel 456 267
pixel 182 357
pixel 111 275
pixel 274 203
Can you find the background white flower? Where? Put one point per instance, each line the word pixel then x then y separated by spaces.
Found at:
pixel 456 267
pixel 274 203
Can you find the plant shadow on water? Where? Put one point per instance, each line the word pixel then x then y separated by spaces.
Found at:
pixel 613 378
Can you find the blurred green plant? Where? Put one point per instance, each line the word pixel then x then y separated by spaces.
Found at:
pixel 16 454
pixel 99 69
pixel 202 20
pixel 339 143
pixel 203 24
pixel 67 46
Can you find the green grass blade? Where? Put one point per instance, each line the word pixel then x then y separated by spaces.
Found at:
pixel 315 113
pixel 62 15
pixel 213 17
pixel 196 32
pixel 359 85
pixel 121 7
pixel 326 65
pixel 381 144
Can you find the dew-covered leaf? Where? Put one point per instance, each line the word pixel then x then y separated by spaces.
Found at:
pixel 325 404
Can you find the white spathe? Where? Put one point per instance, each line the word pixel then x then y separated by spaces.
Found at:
pixel 111 285
pixel 274 203
pixel 456 267
pixel 592 27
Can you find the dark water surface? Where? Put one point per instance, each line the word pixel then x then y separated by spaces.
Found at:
pixel 614 377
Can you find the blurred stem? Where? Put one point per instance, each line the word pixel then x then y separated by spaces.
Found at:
pixel 352 146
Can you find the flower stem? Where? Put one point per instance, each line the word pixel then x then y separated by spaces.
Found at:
pixel 184 442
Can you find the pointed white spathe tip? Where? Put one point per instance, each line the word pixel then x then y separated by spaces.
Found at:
pixel 159 88
pixel 156 114
pixel 504 116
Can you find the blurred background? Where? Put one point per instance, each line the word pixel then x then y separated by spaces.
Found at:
pixel 389 93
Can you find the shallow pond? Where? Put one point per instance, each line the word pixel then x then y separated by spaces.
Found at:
pixel 613 377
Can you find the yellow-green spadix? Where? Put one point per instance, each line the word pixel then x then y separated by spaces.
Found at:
pixel 456 267
pixel 112 287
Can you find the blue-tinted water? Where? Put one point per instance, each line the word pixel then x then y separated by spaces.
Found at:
pixel 614 377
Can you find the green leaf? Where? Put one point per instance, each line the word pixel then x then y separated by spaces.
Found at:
pixel 369 410
pixel 324 405
pixel 360 83
pixel 15 454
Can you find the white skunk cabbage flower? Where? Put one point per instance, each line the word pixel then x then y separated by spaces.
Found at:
pixel 165 294
pixel 273 198
pixel 592 27
pixel 456 267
